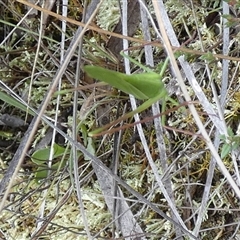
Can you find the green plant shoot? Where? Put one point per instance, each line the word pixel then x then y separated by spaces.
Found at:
pixel 13 102
pixel 144 86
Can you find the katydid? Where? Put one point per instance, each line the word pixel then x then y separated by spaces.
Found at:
pixel 144 86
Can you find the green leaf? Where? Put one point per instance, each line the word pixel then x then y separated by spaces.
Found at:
pixel 148 83
pixel 84 133
pixel 12 101
pixel 42 155
pixel 142 86
pixel 226 148
pixel 145 86
pixel 222 137
pixel 230 132
pixel 90 148
pixel 41 173
pixel 235 145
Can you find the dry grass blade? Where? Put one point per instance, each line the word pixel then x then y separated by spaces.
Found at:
pixel 139 179
pixel 197 119
pixel 117 35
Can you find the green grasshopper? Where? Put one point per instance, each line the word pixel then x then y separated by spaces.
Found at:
pixel 144 86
